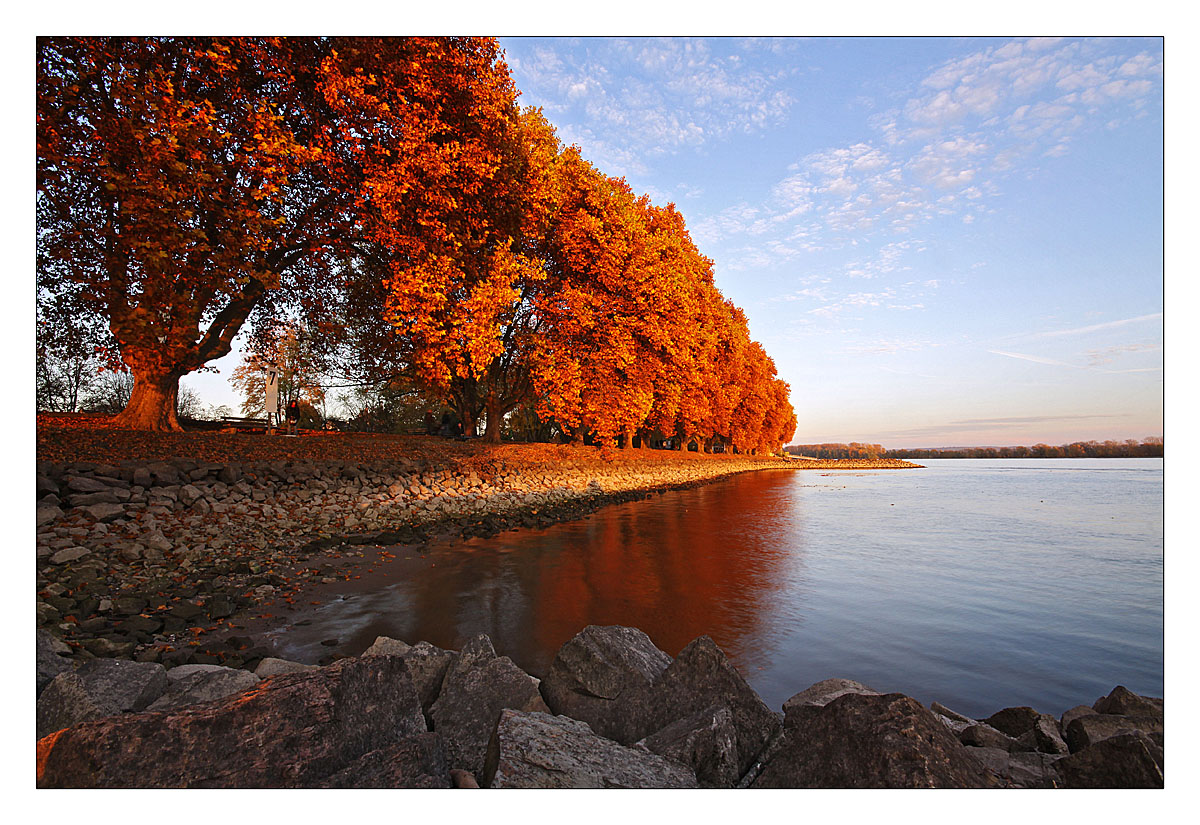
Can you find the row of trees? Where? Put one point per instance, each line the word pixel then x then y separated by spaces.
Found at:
pixel 1130 448
pixel 851 450
pixel 386 204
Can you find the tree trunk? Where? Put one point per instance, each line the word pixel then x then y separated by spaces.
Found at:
pixel 491 433
pixel 152 403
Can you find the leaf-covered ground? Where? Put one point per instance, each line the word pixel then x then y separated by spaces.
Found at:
pixel 64 437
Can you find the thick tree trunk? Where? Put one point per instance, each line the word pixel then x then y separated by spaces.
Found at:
pixel 152 402
pixel 491 433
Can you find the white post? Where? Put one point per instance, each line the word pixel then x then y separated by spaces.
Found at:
pixel 272 397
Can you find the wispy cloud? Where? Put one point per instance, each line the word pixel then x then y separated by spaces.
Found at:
pixel 1091 365
pixel 650 96
pixel 1097 327
pixel 1037 359
pixel 946 151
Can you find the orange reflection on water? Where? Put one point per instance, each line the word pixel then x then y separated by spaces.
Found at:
pixel 708 561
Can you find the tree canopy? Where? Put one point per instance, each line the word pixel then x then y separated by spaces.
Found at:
pixel 390 197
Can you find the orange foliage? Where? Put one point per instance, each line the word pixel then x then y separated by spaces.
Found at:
pixel 185 182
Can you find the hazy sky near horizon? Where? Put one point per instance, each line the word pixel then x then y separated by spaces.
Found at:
pixel 940 241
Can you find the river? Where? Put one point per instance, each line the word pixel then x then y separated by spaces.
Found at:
pixel 980 584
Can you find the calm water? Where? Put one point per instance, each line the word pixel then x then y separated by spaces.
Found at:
pixel 977 583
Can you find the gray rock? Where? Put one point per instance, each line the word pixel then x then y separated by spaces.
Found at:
pixel 817 696
pixel 69 554
pixel 142 477
pixel 99 688
pixel 292 732
pixel 50 661
pixel 157 541
pixel 825 691
pixel 193 684
pixel 1042 728
pixel 85 484
pixel 1127 760
pixel 985 736
pixel 701 676
pixel 1124 702
pixel 538 750
pixel 46 487
pixel 706 742
pixel 477 686
pixel 942 710
pixel 1073 714
pixel 189 494
pixel 1086 731
pixel 417 762
pixel 47 514
pixel 602 677
pixel 164 474
pixel 103 512
pixel 428 665
pixel 865 741
pixel 1026 769
pixel 384 646
pixel 102 497
pixel 271 666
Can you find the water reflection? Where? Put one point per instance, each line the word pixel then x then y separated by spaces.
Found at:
pixel 678 565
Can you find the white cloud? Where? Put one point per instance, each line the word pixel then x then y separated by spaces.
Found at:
pixel 1154 316
pixel 653 95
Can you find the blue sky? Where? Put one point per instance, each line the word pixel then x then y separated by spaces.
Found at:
pixel 940 241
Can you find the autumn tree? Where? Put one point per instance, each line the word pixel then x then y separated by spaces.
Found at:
pixel 181 181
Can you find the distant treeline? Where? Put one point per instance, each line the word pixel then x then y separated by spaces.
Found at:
pixel 1130 448
pixel 851 450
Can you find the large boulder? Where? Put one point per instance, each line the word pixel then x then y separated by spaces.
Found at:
pixel 386 646
pixel 270 666
pixel 417 762
pixel 1127 760
pixel 427 664
pixel 817 696
pixel 706 742
pixel 701 676
pixel 1086 731
pixel 1124 702
pixel 51 658
pixel 291 731
pixel 864 741
pixel 1024 769
pixel 985 736
pixel 1037 731
pixel 1072 714
pixel 193 684
pixel 601 676
pixel 538 750
pixel 99 688
pixel 477 686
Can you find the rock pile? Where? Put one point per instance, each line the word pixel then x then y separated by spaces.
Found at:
pixel 613 712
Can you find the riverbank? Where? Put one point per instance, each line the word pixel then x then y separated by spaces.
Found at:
pixel 160 547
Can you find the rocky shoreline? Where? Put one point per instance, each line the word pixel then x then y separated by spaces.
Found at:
pixel 613 711
pixel 150 560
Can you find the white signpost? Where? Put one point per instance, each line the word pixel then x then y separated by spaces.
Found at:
pixel 272 397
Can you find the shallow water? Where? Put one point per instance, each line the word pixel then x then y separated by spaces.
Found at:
pixel 977 583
